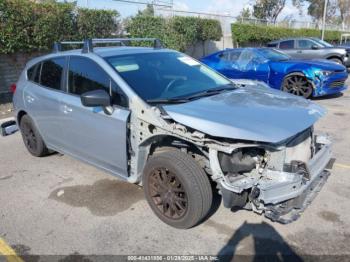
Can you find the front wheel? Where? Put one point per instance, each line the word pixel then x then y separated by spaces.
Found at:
pixel 297 85
pixel 176 188
pixel 337 60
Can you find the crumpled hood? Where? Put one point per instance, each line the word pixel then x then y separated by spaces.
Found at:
pixel 318 63
pixel 249 113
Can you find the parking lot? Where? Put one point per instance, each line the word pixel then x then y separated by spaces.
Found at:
pixel 59 206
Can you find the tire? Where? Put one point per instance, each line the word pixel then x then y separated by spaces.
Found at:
pixel 336 60
pixel 176 180
pixel 31 137
pixel 297 85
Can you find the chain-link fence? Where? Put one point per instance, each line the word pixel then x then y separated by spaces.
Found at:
pixel 226 20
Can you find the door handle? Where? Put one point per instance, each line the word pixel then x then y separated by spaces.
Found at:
pixel 299 52
pixel 67 109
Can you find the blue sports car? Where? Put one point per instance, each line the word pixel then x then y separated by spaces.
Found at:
pixel 300 77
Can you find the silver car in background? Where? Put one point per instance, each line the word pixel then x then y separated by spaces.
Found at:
pixel 311 48
pixel 160 119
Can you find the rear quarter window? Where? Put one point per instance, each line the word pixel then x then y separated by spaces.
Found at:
pixel 30 72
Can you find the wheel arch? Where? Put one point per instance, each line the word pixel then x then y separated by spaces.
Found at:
pixel 334 57
pixel 20 114
pixel 297 73
pixel 301 74
pixel 158 143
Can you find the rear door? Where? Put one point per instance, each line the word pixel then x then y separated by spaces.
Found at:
pixel 91 134
pixel 42 95
pixel 288 47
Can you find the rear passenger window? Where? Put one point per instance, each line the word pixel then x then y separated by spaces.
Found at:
pixel 289 44
pixel 224 55
pixel 51 73
pixel 272 45
pixel 85 75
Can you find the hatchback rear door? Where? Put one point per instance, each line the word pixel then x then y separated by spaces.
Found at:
pixel 90 134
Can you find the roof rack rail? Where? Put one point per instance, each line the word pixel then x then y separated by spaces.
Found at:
pixel 57 46
pixel 88 44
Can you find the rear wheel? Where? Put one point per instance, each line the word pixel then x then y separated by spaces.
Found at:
pixel 177 189
pixel 31 137
pixel 297 85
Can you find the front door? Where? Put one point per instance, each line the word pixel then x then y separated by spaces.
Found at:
pixel 308 49
pixel 91 134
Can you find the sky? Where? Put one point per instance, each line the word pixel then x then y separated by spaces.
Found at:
pixel 232 7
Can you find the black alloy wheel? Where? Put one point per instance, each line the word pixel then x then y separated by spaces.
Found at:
pixel 168 193
pixel 177 188
pixel 298 85
pixel 31 137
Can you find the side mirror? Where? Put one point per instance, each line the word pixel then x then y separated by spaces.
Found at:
pixel 96 98
pixel 315 47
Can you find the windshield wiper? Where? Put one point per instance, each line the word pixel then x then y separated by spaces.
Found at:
pixel 184 99
pixel 167 100
pixel 211 92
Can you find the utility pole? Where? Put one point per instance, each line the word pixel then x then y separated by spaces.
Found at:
pixel 324 18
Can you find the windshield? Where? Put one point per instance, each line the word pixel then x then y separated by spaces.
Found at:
pixel 274 55
pixel 166 75
pixel 323 43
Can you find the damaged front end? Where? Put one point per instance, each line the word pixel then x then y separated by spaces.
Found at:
pixel 277 181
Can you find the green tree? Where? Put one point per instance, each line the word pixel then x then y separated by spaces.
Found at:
pixel 268 9
pixel 315 9
pixel 148 11
pixel 244 14
pixel 344 11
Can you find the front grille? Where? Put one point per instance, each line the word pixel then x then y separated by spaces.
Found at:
pixel 339 83
pixel 339 71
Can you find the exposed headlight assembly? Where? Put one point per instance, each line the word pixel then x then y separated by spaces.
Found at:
pixel 323 73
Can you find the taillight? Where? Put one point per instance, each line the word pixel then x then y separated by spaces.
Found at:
pixel 13 88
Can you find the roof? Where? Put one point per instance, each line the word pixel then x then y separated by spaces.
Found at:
pixel 113 50
pixel 103 52
pixel 291 38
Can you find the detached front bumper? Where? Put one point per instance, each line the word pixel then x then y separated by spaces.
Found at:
pixel 285 195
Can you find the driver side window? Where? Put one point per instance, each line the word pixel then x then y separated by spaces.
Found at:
pixel 85 75
pixel 305 44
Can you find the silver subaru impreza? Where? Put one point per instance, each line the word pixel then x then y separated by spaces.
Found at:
pixel 158 118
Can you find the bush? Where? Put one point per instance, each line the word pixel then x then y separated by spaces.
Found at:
pixel 96 23
pixel 178 32
pixel 27 26
pixel 245 34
